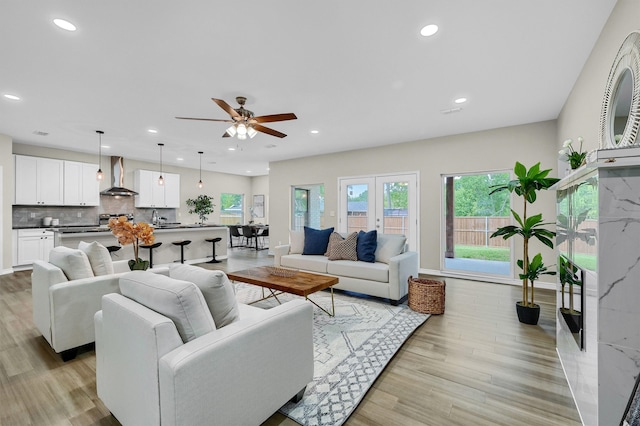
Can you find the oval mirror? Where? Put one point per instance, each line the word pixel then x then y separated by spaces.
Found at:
pixel 620 118
pixel 621 106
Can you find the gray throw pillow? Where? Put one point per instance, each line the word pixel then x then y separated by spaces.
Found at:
pixel 216 288
pixel 180 301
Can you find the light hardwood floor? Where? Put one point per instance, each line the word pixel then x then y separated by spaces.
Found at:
pixel 474 365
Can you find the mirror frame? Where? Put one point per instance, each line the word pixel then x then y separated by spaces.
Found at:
pixel 628 58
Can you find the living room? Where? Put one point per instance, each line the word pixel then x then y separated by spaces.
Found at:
pixel 477 151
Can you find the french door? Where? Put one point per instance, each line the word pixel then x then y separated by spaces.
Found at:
pixel 386 203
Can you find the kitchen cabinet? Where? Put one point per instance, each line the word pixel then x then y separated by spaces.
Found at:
pixel 38 181
pixel 34 244
pixel 81 188
pixel 150 194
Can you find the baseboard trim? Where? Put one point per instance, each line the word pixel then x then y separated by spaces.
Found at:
pixel 484 278
pixel 6 271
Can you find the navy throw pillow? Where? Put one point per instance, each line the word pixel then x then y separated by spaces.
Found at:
pixel 366 246
pixel 316 240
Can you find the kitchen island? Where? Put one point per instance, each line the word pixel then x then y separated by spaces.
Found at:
pixel 196 252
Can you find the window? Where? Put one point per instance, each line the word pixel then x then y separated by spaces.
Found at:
pixel 470 217
pixel 231 209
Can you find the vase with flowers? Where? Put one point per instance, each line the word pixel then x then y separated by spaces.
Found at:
pixel 132 233
pixel 576 158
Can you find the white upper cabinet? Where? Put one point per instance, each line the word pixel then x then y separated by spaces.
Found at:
pixel 39 181
pixel 151 194
pixel 81 188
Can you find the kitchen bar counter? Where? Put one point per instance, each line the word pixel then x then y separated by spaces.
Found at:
pixel 195 252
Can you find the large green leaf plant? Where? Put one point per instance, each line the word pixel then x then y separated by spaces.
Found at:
pixel 526 185
pixel 202 206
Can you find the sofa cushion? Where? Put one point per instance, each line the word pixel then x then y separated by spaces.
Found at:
pixel 73 262
pixel 366 246
pixel 316 263
pixel 180 301
pixel 99 257
pixel 215 287
pixel 342 248
pixel 389 245
pixel 362 270
pixel 316 240
pixel 296 241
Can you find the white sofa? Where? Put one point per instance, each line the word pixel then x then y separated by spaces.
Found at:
pixel 149 372
pixel 386 277
pixel 64 305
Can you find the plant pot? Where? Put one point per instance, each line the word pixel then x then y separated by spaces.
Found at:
pixel 138 265
pixel 573 319
pixel 528 314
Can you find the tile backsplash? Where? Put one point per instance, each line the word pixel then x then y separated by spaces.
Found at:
pixel 32 216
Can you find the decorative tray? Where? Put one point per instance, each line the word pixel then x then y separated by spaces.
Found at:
pixel 281 272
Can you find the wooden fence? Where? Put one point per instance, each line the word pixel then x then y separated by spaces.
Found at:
pixel 477 230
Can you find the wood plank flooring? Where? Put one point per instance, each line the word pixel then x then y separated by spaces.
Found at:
pixel 476 364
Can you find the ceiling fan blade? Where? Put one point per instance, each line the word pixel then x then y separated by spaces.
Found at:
pixel 275 117
pixel 225 106
pixel 205 119
pixel 269 131
pixel 225 135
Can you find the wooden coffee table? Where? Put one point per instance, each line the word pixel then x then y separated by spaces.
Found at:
pixel 301 284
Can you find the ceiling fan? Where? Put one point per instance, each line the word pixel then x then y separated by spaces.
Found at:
pixel 244 122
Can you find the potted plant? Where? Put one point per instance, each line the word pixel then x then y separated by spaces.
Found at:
pixel 526 185
pixel 132 233
pixel 202 206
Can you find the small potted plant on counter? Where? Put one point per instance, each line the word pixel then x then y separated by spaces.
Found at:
pixel 526 185
pixel 202 206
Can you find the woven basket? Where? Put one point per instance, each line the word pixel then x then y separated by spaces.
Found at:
pixel 426 296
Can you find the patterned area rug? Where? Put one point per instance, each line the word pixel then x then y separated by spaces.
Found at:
pixel 350 351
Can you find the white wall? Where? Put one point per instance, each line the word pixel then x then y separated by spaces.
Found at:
pixel 495 149
pixel 6 163
pixel 580 115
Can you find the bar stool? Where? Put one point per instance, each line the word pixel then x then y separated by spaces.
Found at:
pixel 214 241
pixel 181 243
pixel 151 247
pixel 113 249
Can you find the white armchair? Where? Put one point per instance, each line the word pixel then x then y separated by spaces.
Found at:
pixel 239 374
pixel 64 306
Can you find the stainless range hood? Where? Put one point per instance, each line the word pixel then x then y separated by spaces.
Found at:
pixel 117 180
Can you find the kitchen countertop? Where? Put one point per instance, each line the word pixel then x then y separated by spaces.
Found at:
pixel 168 227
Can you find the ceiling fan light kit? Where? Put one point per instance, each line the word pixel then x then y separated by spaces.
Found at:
pixel 245 123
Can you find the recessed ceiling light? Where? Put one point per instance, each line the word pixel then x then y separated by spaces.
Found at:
pixel 460 100
pixel 231 148
pixel 429 30
pixel 152 131
pixel 315 132
pixel 248 171
pixel 179 159
pixel 106 146
pixel 65 25
pixel 12 97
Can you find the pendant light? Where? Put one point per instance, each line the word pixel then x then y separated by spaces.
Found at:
pixel 160 179
pixel 200 182
pixel 99 174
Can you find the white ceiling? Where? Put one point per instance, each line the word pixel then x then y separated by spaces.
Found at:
pixel 357 71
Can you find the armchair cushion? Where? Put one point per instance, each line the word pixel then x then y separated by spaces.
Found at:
pixel 215 287
pixel 99 257
pixel 297 242
pixel 73 262
pixel 181 301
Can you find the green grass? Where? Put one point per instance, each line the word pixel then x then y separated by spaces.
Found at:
pixel 586 261
pixel 501 254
